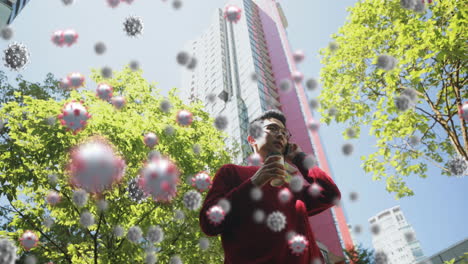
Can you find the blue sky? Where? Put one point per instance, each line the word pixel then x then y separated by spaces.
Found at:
pixel 438 209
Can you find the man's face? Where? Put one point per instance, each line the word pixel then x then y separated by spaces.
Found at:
pixel 270 141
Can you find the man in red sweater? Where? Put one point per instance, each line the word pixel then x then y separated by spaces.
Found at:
pixel 264 224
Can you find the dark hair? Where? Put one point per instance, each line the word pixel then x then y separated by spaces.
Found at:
pixel 272 113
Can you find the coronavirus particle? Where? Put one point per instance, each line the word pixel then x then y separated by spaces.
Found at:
pixel 16 56
pixel 298 244
pixel 159 178
pixel 28 240
pixel 76 80
pixel 232 13
pixel 74 116
pixel 7 251
pixel 70 37
pixel 94 166
pixel 118 102
pixel 53 198
pixel 150 140
pixel 104 91
pixel 276 221
pixel 192 200
pixel 215 214
pixel 184 117
pixel 133 26
pixel 202 181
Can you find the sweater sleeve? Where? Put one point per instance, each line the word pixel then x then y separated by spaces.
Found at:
pixel 329 192
pixel 223 187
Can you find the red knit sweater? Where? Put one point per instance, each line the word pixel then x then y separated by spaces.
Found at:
pixel 247 242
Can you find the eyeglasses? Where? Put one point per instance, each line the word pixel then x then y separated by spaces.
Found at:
pixel 277 129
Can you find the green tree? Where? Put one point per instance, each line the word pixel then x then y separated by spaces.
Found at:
pixel 360 255
pixel 431 51
pixel 36 149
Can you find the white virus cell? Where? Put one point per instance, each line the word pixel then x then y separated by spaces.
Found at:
pixel 276 221
pixel 314 189
pixel 258 216
pixel 225 204
pixel 256 130
pixel 202 181
pixel 179 215
pixel 409 236
pixel 211 97
pixel 458 166
pixel 80 197
pixel 150 257
pixel 16 56
pixel 314 103
pixel 30 260
pixel 28 240
pixel 420 7
pixel 353 196
pixel 86 219
pixel 347 149
pixel 69 37
pixel 128 1
pixel 192 63
pixel 254 76
pixel 408 4
pixel 104 91
pixel 311 84
pixel 192 200
pixel 150 140
pixel 106 72
pixel 100 48
pixel 184 117
pixel 232 13
pixel 182 58
pixel 6 33
pixel 380 257
pixel 169 130
pixel 118 102
pixel 52 179
pixel 118 231
pixel 53 198
pixel 102 205
pixel 298 244
pixel 159 178
pixel 155 234
pixel 313 125
pixel 221 122
pixel 175 260
pixel 285 85
pixel 113 3
pixel 403 103
pixel 411 93
pixel 386 62
pixel 196 149
pixel 133 26
pixel 332 111
pixel 134 192
pixel 296 184
pixel 57 38
pixel 298 56
pixel 357 229
pixel 215 214
pixel 375 229
pixel 255 159
pixel 50 120
pixel 256 194
pixel 134 234
pixel 94 166
pixel 297 76
pixel 76 80
pixel 134 65
pixel 351 132
pixel 165 106
pixel 204 243
pixel 333 46
pixel 285 195
pixel 7 251
pixel 177 4
pixel 463 111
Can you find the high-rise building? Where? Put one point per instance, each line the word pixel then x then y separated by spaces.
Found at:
pixel 395 237
pixel 227 55
pixel 9 9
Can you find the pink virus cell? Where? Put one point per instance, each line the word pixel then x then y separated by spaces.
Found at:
pixel 202 181
pixel 313 125
pixel 232 13
pixel 150 140
pixel 70 37
pixel 53 198
pixel 57 38
pixel 28 240
pixel 94 166
pixel 113 3
pixel 297 76
pixel 255 159
pixel 159 178
pixel 184 117
pixel 463 111
pixel 216 215
pixel 285 195
pixel 74 116
pixel 104 91
pixel 298 56
pixel 118 102
pixel 298 244
pixel 76 80
pixel 64 84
